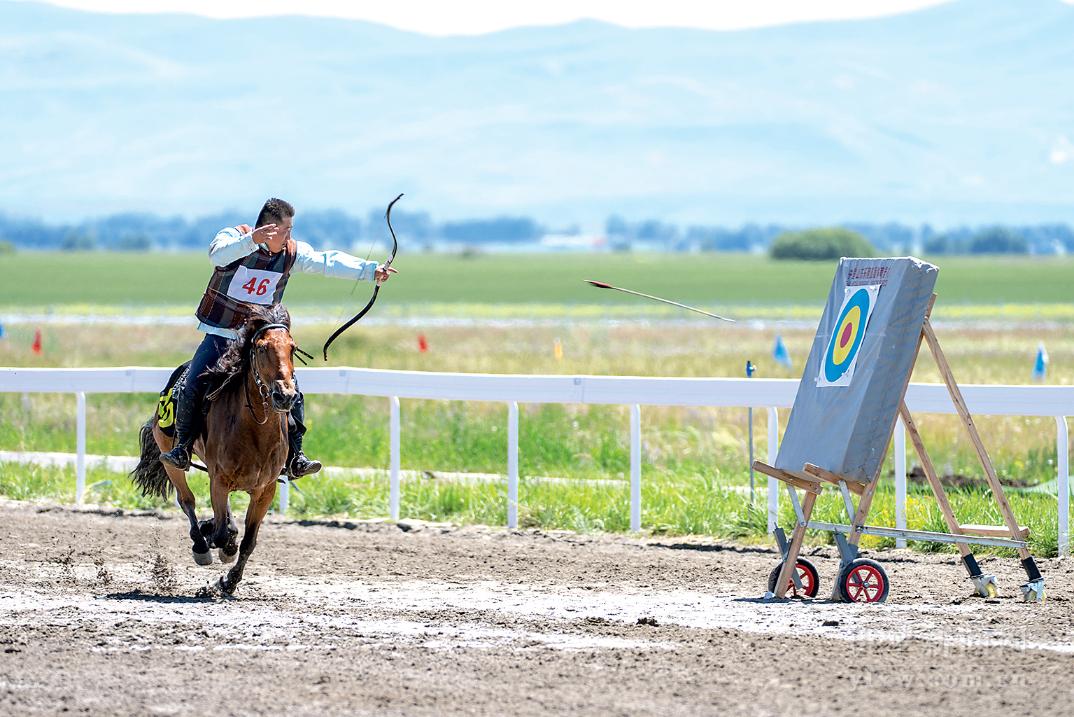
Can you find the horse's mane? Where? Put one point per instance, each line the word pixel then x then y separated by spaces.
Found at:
pixel 235 360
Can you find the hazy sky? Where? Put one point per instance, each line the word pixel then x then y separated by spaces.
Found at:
pixel 437 17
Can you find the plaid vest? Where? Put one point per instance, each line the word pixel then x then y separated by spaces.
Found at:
pixel 259 278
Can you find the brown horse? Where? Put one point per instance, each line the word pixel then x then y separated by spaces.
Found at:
pixel 244 445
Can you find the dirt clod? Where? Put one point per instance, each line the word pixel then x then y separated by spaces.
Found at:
pixel 163 576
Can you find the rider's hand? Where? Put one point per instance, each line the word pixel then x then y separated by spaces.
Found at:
pixel 264 233
pixel 383 273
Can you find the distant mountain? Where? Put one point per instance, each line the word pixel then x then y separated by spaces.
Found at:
pixel 959 113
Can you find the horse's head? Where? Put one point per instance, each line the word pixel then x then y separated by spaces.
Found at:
pixel 272 357
pixel 272 361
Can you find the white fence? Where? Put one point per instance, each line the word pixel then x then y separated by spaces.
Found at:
pixel 771 394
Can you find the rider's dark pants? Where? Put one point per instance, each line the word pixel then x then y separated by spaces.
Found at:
pixel 209 352
pixel 298 417
pixel 188 414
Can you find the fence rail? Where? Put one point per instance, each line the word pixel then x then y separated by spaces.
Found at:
pixel 772 394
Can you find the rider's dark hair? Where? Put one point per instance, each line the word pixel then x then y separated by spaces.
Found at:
pixel 275 211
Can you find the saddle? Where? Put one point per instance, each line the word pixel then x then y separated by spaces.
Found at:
pixel 175 385
pixel 166 403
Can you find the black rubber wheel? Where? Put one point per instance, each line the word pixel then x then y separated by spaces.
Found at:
pixel 863 580
pixel 807 573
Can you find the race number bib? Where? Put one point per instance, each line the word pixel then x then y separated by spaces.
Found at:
pixel 253 286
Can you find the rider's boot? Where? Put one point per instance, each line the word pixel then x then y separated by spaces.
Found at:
pixel 185 433
pixel 298 464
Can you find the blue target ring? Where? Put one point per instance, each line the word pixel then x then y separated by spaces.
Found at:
pixel 848 335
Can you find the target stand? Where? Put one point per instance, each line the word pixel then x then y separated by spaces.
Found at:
pixel 843 418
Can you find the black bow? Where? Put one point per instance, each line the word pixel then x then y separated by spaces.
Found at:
pixel 376 288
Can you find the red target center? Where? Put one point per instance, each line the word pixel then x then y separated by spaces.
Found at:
pixel 845 338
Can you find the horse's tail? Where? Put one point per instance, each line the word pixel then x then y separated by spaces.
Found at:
pixel 149 474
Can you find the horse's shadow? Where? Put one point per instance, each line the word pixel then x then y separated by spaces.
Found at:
pixel 786 601
pixel 713 547
pixel 140 596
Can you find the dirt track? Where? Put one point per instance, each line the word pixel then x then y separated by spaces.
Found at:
pixel 99 614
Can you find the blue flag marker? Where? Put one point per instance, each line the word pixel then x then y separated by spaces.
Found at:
pixel 779 353
pixel 1 331
pixel 1040 365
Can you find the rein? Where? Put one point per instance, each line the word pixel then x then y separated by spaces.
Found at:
pixel 262 389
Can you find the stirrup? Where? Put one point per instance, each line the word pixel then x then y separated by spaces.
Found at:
pixel 301 466
pixel 178 456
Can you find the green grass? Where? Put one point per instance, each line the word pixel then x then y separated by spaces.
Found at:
pixel 693 458
pixel 681 445
pixel 671 505
pixel 155 279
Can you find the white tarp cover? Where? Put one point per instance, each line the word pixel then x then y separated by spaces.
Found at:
pixel 858 367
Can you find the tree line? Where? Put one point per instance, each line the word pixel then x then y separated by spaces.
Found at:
pixel 887 237
pixel 335 228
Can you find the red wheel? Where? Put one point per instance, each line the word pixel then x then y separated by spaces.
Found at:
pixel 807 574
pixel 863 580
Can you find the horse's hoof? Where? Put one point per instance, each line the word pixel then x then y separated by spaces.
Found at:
pixel 224 557
pixel 222 586
pixel 205 558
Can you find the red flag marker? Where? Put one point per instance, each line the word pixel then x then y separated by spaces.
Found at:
pixel 423 345
pixel 37 342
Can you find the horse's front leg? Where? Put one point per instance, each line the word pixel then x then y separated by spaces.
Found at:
pixel 260 501
pixel 230 548
pixel 200 548
pixel 224 528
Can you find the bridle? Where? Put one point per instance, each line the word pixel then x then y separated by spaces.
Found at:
pixel 262 388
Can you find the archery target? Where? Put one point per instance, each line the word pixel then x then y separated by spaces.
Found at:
pixel 837 366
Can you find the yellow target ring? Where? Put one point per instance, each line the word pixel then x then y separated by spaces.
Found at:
pixel 844 337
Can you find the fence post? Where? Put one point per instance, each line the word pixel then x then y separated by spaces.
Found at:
pixel 285 496
pixel 635 468
pixel 80 443
pixel 512 465
pixel 773 484
pixel 393 491
pixel 900 480
pixel 1062 461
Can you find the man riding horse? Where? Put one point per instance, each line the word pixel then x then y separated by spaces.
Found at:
pixel 252 268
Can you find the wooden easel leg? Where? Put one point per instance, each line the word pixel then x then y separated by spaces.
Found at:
pixel 975 438
pixel 795 546
pixel 864 503
pixel 857 521
pixel 1035 585
pixel 933 479
pixel 985 585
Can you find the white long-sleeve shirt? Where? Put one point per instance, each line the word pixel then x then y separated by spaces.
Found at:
pixel 230 245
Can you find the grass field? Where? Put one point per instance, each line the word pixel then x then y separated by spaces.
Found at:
pixel 713 280
pixel 694 460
